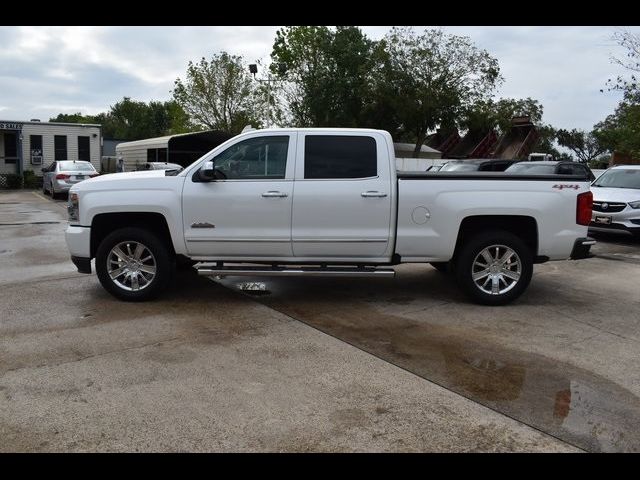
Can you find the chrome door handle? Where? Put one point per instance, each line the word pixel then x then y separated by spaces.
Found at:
pixel 372 193
pixel 272 193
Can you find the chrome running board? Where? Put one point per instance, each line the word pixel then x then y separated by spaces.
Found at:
pixel 212 270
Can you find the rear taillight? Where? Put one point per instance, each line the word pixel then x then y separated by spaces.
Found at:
pixel 62 176
pixel 94 175
pixel 584 208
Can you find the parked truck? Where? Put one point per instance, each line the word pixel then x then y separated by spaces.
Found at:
pixel 323 202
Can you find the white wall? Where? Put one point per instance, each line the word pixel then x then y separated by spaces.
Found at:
pixel 416 164
pixel 134 153
pixel 48 131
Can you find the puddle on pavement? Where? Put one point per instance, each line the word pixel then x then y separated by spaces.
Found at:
pixel 573 404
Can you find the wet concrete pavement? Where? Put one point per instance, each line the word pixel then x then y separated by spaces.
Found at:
pixel 563 359
pixel 314 364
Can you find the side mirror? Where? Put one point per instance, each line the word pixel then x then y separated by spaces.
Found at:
pixel 208 171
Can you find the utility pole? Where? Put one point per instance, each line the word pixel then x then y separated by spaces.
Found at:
pixel 253 69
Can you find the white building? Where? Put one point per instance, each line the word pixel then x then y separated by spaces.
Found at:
pixel 182 149
pixel 405 161
pixel 34 145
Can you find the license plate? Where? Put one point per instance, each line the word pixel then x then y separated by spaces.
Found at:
pixel 79 177
pixel 602 219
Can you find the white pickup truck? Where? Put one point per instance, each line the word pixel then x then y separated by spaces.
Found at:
pixel 323 202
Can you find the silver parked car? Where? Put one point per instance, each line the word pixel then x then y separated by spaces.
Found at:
pixel 616 201
pixel 62 174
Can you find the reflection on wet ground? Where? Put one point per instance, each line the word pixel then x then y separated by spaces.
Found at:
pixel 571 403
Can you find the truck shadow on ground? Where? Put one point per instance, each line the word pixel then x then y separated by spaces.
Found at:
pixel 405 323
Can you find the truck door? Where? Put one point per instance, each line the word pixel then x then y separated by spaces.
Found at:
pixel 342 196
pixel 246 212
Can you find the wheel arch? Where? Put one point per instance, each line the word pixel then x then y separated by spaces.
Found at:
pixel 105 223
pixel 523 226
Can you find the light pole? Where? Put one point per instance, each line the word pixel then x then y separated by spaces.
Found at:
pixel 253 69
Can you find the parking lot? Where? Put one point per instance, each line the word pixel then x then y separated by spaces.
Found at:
pixel 312 364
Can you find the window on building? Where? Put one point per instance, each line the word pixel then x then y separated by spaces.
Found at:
pixel 339 156
pixel 162 155
pixel 60 147
pixel 35 147
pixel 84 149
pixel 10 148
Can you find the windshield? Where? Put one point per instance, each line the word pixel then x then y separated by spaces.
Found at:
pixel 529 169
pixel 76 166
pixel 459 167
pixel 619 178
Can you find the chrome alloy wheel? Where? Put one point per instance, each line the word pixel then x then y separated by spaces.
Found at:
pixel 131 266
pixel 496 269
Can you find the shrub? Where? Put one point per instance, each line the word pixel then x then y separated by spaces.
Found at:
pixel 30 179
pixel 13 181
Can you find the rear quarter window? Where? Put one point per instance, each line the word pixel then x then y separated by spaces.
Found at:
pixel 339 156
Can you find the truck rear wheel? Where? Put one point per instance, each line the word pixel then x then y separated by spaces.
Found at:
pixel 494 268
pixel 134 264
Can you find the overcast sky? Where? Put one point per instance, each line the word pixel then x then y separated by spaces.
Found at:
pixel 48 70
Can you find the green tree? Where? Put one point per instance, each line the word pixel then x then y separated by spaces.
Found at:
pixel 631 61
pixel 219 94
pixel 546 143
pixel 428 80
pixel 487 113
pixel 585 145
pixel 73 118
pixel 133 120
pixel 325 74
pixel 620 131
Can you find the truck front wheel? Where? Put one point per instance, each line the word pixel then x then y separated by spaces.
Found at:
pixel 134 264
pixel 494 268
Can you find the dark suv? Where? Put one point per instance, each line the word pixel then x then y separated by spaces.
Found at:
pixel 477 165
pixel 550 168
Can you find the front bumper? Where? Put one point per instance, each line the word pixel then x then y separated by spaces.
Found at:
pixel 581 248
pixel 78 241
pixel 615 228
pixel 625 222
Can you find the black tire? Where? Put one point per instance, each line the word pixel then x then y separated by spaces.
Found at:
pixel 467 257
pixel 442 267
pixel 164 263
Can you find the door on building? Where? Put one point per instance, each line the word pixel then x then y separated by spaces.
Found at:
pixel 9 158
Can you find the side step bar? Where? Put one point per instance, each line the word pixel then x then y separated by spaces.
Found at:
pixel 212 270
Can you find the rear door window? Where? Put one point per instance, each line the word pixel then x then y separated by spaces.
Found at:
pixel 340 156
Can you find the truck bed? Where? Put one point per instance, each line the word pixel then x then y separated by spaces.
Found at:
pixel 486 176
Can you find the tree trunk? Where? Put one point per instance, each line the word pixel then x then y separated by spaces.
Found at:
pixel 419 141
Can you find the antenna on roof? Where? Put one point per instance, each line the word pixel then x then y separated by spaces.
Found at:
pixel 248 128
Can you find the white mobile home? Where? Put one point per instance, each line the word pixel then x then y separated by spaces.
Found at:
pixel 405 161
pixel 34 145
pixel 182 149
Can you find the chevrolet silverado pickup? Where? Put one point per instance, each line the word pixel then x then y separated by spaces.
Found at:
pixel 323 202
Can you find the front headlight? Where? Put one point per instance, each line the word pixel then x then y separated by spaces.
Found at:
pixel 635 204
pixel 73 207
